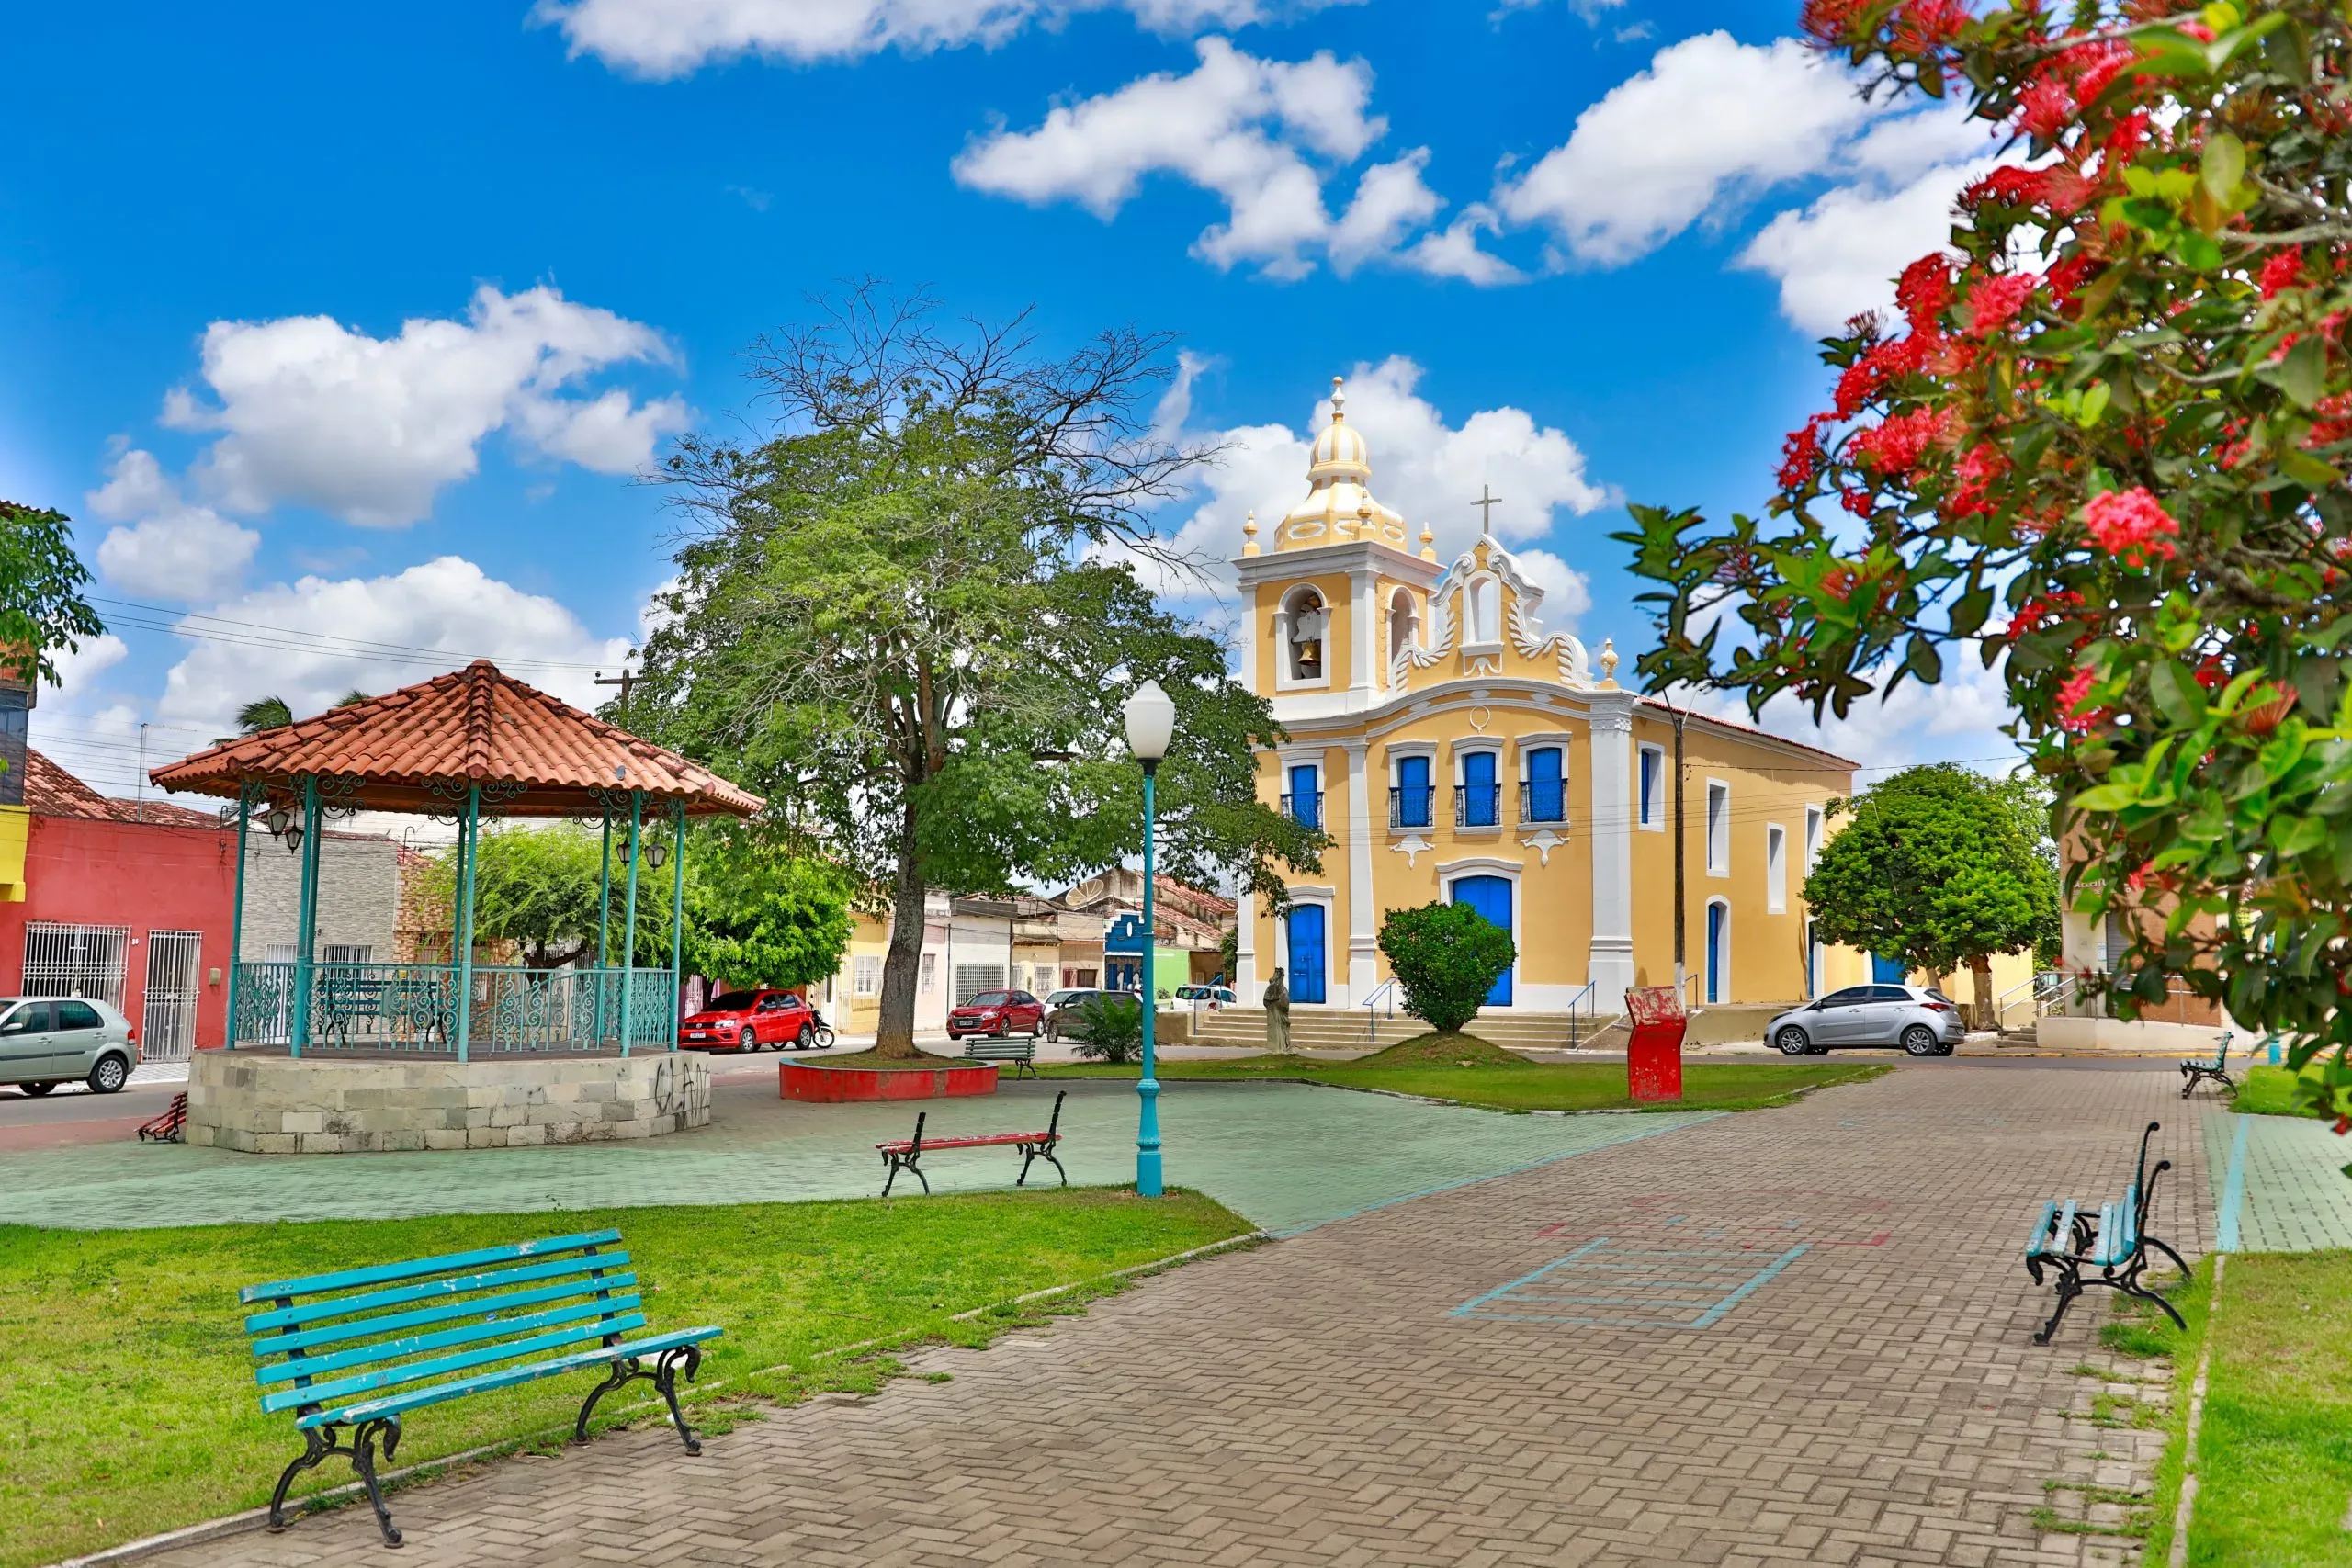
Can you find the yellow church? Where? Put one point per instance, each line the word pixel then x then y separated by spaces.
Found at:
pixel 1453 749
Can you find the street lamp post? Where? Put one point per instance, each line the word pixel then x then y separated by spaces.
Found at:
pixel 1151 722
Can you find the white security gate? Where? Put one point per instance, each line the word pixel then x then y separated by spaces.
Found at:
pixel 75 960
pixel 169 1032
pixel 971 979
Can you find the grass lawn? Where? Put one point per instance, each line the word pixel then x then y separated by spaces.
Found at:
pixel 1494 1079
pixel 2273 1460
pixel 2272 1091
pixel 127 1397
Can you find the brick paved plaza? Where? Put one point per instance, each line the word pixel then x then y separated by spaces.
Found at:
pixel 1796 1337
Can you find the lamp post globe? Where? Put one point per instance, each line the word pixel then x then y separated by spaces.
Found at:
pixel 1152 724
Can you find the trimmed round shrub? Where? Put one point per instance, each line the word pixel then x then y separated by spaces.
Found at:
pixel 1447 956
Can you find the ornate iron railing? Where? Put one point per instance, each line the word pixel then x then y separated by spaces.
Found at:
pixel 416 1008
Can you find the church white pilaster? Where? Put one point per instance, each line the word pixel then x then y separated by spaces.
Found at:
pixel 1611 967
pixel 1363 938
pixel 1362 675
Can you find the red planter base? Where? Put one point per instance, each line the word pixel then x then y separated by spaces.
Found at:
pixel 808 1082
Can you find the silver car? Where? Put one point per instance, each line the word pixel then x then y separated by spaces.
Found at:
pixel 1920 1018
pixel 47 1041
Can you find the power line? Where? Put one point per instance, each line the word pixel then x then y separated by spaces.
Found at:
pixel 262 633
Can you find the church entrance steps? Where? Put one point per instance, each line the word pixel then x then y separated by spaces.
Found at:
pixel 1330 1029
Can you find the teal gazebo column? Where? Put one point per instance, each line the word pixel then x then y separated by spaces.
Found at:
pixel 629 927
pixel 306 918
pixel 247 792
pixel 677 917
pixel 462 927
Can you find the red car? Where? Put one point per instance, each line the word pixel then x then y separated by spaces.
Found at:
pixel 745 1020
pixel 999 1013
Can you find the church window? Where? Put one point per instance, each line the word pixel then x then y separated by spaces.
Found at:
pixel 1486 610
pixel 1308 622
pixel 1542 794
pixel 1404 623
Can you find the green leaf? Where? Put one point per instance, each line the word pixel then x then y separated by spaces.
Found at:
pixel 1923 661
pixel 2302 375
pixel 2223 166
pixel 2200 252
pixel 2108 797
pixel 2178 696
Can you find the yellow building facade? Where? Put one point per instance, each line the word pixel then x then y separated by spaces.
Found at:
pixel 1455 750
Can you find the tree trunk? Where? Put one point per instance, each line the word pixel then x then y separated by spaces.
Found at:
pixel 895 1034
pixel 1980 976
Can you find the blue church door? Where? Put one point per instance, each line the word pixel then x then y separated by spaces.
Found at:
pixel 1887 971
pixel 1718 984
pixel 1490 895
pixel 1307 953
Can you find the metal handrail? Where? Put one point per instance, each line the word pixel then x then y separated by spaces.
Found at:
pixel 1489 807
pixel 1588 988
pixel 1304 807
pixel 1542 801
pixel 1387 990
pixel 1402 798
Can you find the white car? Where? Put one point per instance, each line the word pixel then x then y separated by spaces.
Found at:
pixel 47 1041
pixel 1215 996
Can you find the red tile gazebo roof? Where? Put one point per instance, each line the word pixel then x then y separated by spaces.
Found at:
pixel 419 748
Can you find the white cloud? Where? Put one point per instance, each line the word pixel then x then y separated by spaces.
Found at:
pixel 172 551
pixel 1453 251
pixel 1840 255
pixel 78 670
pixel 1262 135
pixel 1708 122
pixel 1959 719
pixel 664 38
pixel 448 605
pixel 1422 466
pixel 370 429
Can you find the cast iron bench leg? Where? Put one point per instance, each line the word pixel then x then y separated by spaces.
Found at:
pixel 2070 1285
pixel 318 1443
pixel 664 1379
pixel 1040 1151
pixel 363 1460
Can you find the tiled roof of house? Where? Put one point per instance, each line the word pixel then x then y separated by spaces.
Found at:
pixel 51 791
pixel 419 748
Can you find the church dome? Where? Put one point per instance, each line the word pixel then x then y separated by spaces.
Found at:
pixel 1339 504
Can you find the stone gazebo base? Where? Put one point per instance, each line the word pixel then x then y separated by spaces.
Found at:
pixel 263 1101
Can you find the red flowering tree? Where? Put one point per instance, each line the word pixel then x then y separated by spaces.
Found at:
pixel 2104 447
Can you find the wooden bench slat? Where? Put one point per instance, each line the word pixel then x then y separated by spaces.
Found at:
pixel 505 1377
pixel 437 1290
pixel 340 1389
pixel 401 1349
pixel 2038 1244
pixel 387 1273
pixel 312 1339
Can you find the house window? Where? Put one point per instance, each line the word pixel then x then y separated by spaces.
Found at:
pixel 338 953
pixel 971 979
pixel 1775 868
pixel 1718 828
pixel 1478 798
pixel 1811 838
pixel 865 976
pixel 1303 802
pixel 1651 782
pixel 1410 798
pixel 1542 794
pixel 930 972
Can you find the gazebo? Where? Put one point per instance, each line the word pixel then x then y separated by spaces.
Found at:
pixel 334 1057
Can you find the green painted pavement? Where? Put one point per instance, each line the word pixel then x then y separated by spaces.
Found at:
pixel 1288 1156
pixel 2291 1193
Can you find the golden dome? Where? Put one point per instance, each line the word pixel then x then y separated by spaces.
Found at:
pixel 1339 504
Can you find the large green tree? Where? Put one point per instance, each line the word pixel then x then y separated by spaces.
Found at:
pixel 1941 867
pixel 43 609
pixel 759 912
pixel 2103 447
pixel 910 619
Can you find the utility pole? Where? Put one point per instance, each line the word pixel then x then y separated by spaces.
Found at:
pixel 139 789
pixel 625 680
pixel 1681 982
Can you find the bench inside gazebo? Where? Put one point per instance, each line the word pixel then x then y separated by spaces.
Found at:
pixel 338 1057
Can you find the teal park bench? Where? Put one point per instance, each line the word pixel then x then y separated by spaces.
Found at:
pixel 2197 1069
pixel 363 1347
pixel 2110 1251
pixel 1023 1054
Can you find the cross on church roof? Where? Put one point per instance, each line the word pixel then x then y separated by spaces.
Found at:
pixel 1486 504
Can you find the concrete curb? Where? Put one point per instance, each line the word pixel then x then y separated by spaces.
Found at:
pixel 258 1518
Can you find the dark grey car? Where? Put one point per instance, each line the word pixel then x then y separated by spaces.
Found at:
pixel 1920 1018
pixel 1068 1022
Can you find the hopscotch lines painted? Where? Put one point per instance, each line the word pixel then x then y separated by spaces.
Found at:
pixel 1618 1285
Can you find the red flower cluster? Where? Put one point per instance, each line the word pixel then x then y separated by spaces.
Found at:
pixel 1922 292
pixel 2334 423
pixel 2073 717
pixel 1840 581
pixel 1922 27
pixel 2283 271
pixel 2009 185
pixel 1993 302
pixel 2048 607
pixel 2131 525
pixel 1978 469
pixel 1800 456
pixel 1869 376
pixel 1899 443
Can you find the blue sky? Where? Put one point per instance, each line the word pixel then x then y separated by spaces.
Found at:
pixel 349 328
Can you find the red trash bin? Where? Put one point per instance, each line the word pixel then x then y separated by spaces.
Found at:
pixel 1654 1056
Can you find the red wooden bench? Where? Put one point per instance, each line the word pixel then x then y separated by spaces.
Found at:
pixel 906 1155
pixel 168 1128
